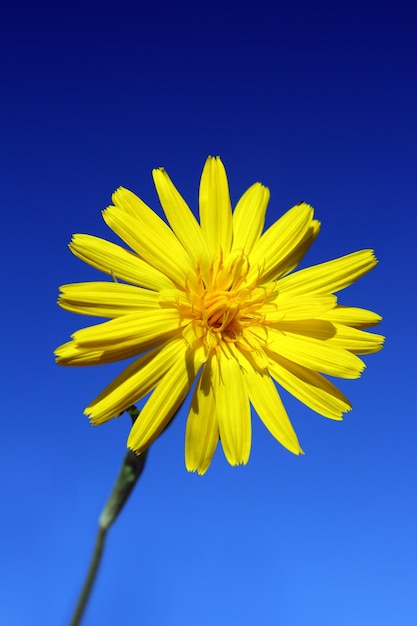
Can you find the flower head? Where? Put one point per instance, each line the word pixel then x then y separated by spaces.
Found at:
pixel 216 302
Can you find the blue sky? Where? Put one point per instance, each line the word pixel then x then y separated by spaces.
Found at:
pixel 318 102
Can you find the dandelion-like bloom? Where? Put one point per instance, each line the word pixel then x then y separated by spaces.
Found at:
pixel 217 303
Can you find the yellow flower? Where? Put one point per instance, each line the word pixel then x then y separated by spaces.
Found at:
pixel 216 303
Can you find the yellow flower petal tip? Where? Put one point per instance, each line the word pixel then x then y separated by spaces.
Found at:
pixel 216 302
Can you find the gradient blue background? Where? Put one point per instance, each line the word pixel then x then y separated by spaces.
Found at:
pixel 317 100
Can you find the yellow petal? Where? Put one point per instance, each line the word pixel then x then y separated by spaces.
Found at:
pixel 202 432
pixel 120 338
pixel 355 340
pixel 233 409
pixel 249 217
pixel 279 241
pixel 268 405
pixel 118 262
pixel 316 354
pixel 286 308
pixel 309 387
pixel 148 236
pixel 166 399
pixel 352 316
pixel 251 347
pixel 77 356
pixel 297 254
pixel 134 382
pixel 180 217
pixel 102 299
pixel 215 207
pixel 330 276
pixel 174 298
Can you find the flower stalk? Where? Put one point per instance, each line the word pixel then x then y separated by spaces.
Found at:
pixel 129 474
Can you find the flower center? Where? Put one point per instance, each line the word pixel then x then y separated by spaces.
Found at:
pixel 225 303
pixel 221 312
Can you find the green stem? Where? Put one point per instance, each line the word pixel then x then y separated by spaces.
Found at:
pixel 91 575
pixel 130 471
